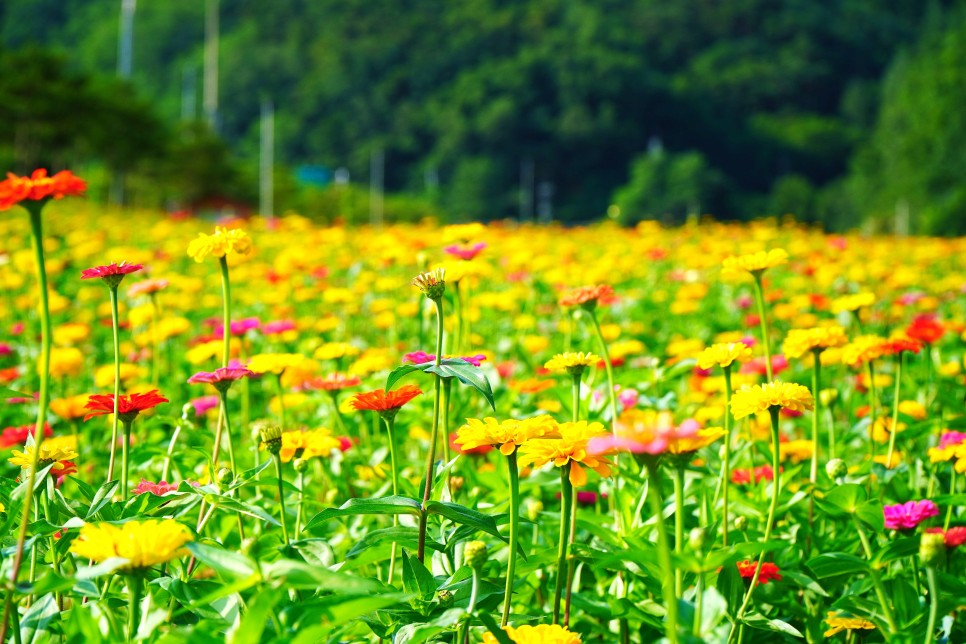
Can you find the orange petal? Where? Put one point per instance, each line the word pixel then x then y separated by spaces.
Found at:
pixel 578 476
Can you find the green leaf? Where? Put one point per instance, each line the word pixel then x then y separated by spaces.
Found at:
pixel 357 507
pixel 757 620
pixel 401 372
pixel 495 630
pixel 296 574
pixel 731 587
pixel 33 626
pixel 468 375
pixel 104 495
pixel 836 563
pixel 846 499
pixel 465 516
pixel 871 513
pixel 230 565
pixel 417 579
pixel 6 394
pixel 404 536
pixel 335 610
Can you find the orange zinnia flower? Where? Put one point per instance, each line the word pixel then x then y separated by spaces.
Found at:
pixel 39 186
pixel 387 403
pixel 589 296
pixel 128 407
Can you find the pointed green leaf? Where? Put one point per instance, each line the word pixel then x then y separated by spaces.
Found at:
pixel 465 516
pixel 355 507
pixel 417 579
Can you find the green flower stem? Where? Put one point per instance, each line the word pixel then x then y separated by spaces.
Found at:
pixel 226 310
pixel 566 499
pixel 571 561
pixel 337 415
pixel 281 400
pixel 37 242
pixel 117 383
pixel 872 404
pixel 664 553
pixel 933 603
pixel 135 589
pixel 679 527
pixel 301 506
pixel 816 395
pixel 952 491
pixel 281 497
pixel 444 424
pixel 774 410
pixel 876 581
pixel 763 322
pixel 434 434
pixel 575 403
pixel 458 298
pixel 698 600
pixel 394 465
pixel 513 473
pixel 216 449
pixel 612 397
pixel 895 412
pixel 167 457
pixel 125 463
pixel 726 465
pixel 231 451
pixel 155 344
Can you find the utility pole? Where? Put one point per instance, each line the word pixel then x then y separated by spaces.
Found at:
pixel 189 93
pixel 377 163
pixel 266 165
pixel 125 41
pixel 210 98
pixel 526 189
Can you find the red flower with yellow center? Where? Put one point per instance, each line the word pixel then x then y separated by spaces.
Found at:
pixel 128 407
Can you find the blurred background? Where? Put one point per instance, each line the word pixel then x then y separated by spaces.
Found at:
pixel 844 112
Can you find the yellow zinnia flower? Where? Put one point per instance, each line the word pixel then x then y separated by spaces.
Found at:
pixel 760 398
pixel 274 362
pixel 722 355
pixel 841 623
pixel 66 361
pixel 507 434
pixel 798 342
pixel 70 408
pixel 852 302
pixel 142 543
pixel 220 244
pixel 570 448
pixel 335 350
pixel 863 349
pixel 797 450
pixel 572 363
pixel 755 263
pixel 310 444
pixel 541 634
pixel 689 444
pixel 52 451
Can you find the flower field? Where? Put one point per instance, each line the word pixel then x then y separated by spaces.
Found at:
pixel 270 430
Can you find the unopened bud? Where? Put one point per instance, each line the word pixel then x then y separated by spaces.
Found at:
pixel 445 598
pixel 224 476
pixel 932 548
pixel 741 523
pixel 431 283
pixel 456 483
pixel 836 468
pixel 271 436
pixel 534 508
pixel 698 539
pixel 300 464
pixel 475 554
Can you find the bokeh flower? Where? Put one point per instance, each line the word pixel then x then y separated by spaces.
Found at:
pixel 540 634
pixel 761 398
pixel 769 571
pixel 723 355
pixel 906 516
pixel 142 543
pixel 570 448
pixel 219 244
pixel 507 434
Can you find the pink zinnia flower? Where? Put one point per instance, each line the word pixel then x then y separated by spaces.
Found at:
pixel 112 274
pixel 906 516
pixel 5 349
pixel 643 438
pixel 467 252
pixel 204 404
pixel 744 301
pixel 628 398
pixel 278 326
pixel 221 378
pixel 158 489
pixel 951 439
pixel 146 287
pixel 421 357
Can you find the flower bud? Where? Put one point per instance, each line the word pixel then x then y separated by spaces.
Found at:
pixel 224 476
pixel 932 548
pixel 445 598
pixel 741 523
pixel 431 283
pixel 475 554
pixel 456 483
pixel 828 396
pixel 534 508
pixel 271 436
pixel 698 539
pixel 836 468
pixel 300 464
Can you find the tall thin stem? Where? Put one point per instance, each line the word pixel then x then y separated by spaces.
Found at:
pixel 763 323
pixel 135 588
pixel 664 553
pixel 933 603
pixel 117 383
pixel 816 394
pixel 773 506
pixel 566 498
pixel 226 310
pixel 281 497
pixel 394 466
pixel 125 447
pixel 227 423
pixel 895 413
pixel 679 527
pixel 434 434
pixel 612 398
pixel 873 397
pixel 726 465
pixel 37 243
pixel 514 475
pixel 884 602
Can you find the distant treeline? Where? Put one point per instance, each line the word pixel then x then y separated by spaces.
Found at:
pixel 839 111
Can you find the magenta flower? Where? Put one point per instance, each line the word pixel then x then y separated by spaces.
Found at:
pixel 906 516
pixel 221 378
pixel 467 252
pixel 5 349
pixel 277 326
pixel 205 403
pixel 951 439
pixel 628 398
pixel 421 357
pixel 112 274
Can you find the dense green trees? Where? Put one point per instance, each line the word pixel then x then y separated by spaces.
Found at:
pixel 759 105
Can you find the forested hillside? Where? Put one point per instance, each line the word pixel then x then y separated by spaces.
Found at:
pixel 737 108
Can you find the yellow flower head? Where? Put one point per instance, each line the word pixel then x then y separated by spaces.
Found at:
pixel 142 543
pixel 572 363
pixel 841 623
pixel 52 450
pixel 220 244
pixel 335 350
pixel 541 634
pixel 797 450
pixel 761 398
pixel 863 349
pixel 722 355
pixel 798 342
pixel 689 444
pixel 305 445
pixel 274 363
pixel 508 434
pixel 70 408
pixel 755 263
pixel 66 361
pixel 569 448
pixel 852 302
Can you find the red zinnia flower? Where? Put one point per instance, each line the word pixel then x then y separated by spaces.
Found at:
pixel 385 401
pixel 769 571
pixel 39 186
pixel 925 328
pixel 590 296
pixel 334 382
pixel 128 407
pixel 112 274
pixel 220 378
pixel 952 538
pixel 896 346
pixel 18 435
